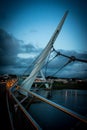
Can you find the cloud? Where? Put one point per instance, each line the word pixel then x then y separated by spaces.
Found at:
pixel 14 53
pixel 16 57
pixel 9 47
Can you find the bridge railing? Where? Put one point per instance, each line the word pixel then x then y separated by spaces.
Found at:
pixel 60 107
pixel 57 106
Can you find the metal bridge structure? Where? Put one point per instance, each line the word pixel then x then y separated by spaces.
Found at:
pixel 20 98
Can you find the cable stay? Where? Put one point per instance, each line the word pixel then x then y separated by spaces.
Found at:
pixel 69 61
pixel 73 58
pixel 30 66
pixel 48 61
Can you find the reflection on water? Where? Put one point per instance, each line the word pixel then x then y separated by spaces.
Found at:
pixel 66 94
pixel 51 118
pixel 73 99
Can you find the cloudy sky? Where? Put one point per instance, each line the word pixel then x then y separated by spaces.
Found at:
pixel 26 27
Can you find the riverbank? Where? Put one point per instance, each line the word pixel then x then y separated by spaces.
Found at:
pixel 59 85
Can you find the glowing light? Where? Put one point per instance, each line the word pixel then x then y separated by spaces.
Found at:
pixel 10 82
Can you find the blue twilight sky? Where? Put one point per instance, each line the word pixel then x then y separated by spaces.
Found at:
pixel 35 20
pixel 32 23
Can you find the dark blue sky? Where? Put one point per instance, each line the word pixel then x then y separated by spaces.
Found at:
pixel 27 25
pixel 35 20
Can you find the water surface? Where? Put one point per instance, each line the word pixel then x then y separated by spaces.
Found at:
pixel 50 118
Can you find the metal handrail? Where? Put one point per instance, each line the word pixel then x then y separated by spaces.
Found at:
pixel 34 123
pixel 60 107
